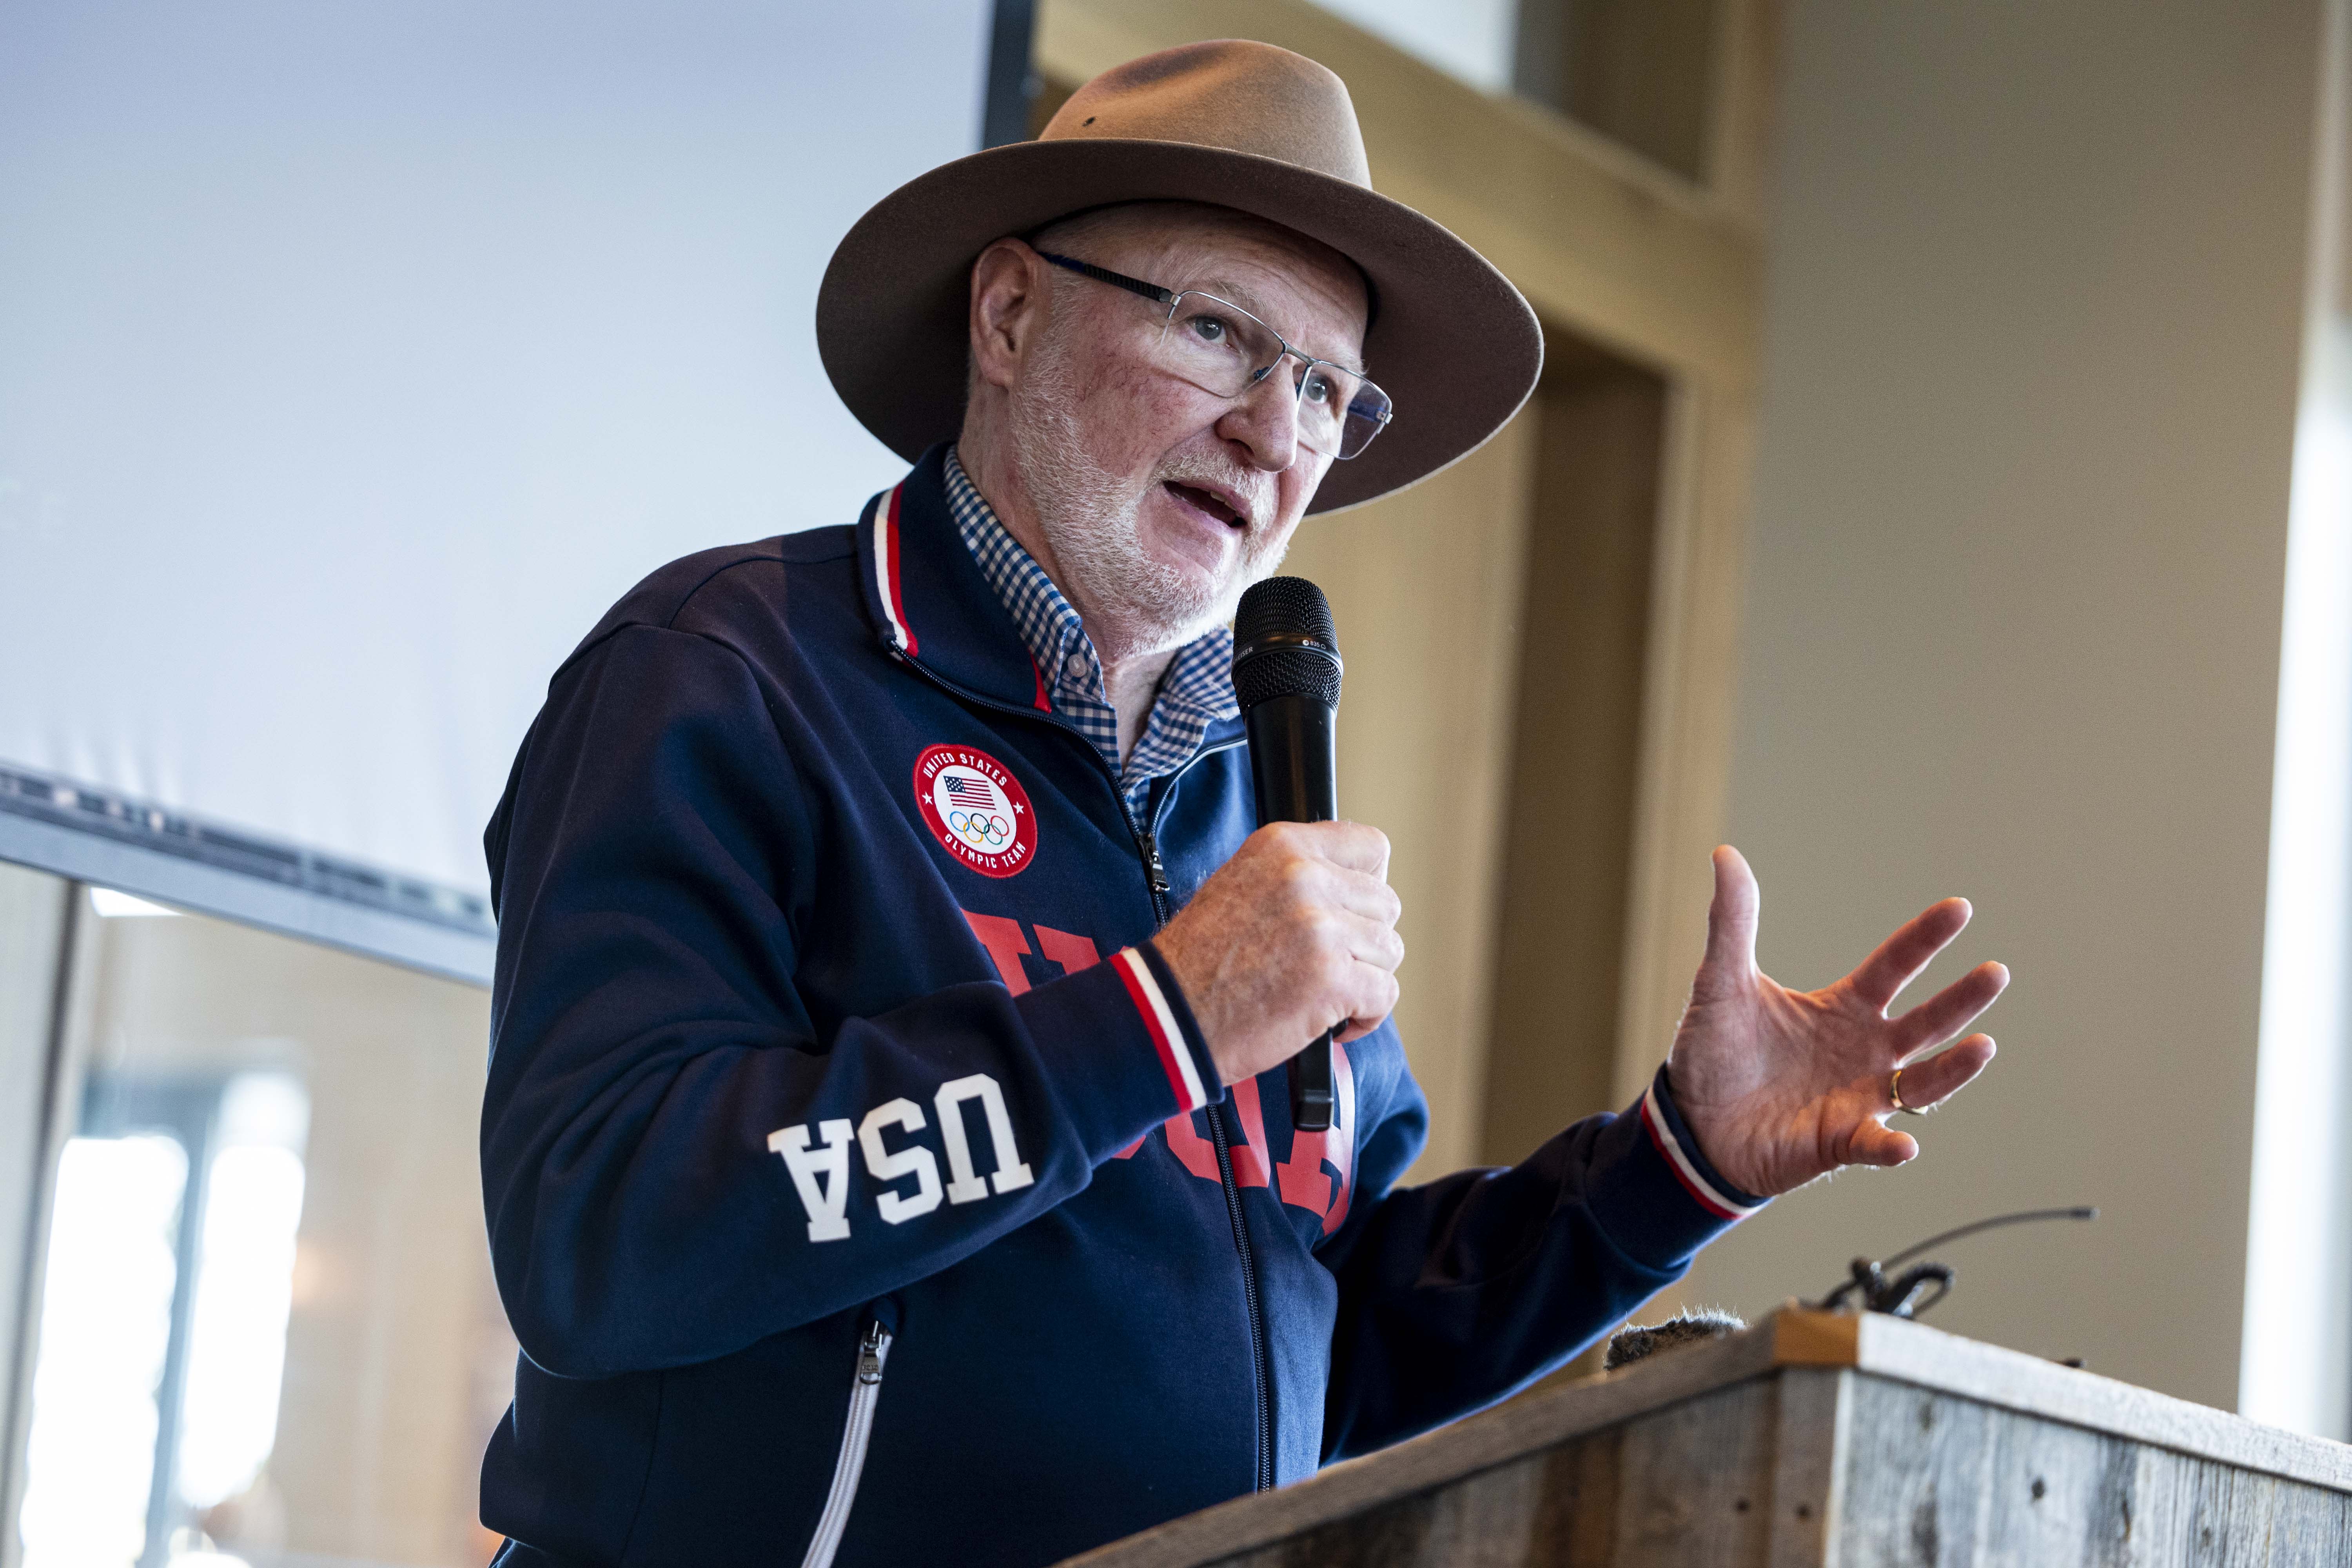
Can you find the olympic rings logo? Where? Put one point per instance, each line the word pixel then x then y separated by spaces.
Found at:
pixel 981 829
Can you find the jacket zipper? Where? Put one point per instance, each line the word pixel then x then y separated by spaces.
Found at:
pixel 1155 877
pixel 1155 874
pixel 872 1350
pixel 1250 1296
pixel 1147 840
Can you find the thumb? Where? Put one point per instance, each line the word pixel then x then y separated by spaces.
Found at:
pixel 1732 920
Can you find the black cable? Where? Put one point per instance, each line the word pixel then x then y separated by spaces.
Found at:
pixel 1902 1297
pixel 2022 1216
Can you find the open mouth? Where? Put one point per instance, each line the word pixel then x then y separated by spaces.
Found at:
pixel 1207 502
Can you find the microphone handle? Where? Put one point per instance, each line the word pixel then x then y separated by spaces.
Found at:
pixel 1295 770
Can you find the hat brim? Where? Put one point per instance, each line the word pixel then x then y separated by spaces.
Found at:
pixel 1452 340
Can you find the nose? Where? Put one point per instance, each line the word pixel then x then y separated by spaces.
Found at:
pixel 1263 420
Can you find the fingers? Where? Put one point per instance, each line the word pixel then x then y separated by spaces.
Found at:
pixel 1899 959
pixel 1874 1143
pixel 1365 985
pixel 1374 994
pixel 1360 893
pixel 1351 845
pixel 1925 1085
pixel 1313 880
pixel 1950 1010
pixel 1732 920
pixel 1368 940
pixel 1938 1078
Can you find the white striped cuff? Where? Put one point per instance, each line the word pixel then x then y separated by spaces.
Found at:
pixel 1704 1193
pixel 1167 1036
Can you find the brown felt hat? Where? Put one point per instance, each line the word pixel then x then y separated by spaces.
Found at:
pixel 1239 125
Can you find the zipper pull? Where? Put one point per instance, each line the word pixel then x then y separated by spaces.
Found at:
pixel 869 1353
pixel 1154 872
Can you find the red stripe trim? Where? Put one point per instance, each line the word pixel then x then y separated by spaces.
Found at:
pixel 1127 962
pixel 1045 703
pixel 1668 1150
pixel 890 522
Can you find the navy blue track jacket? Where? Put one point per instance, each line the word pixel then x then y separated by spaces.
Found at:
pixel 825 1000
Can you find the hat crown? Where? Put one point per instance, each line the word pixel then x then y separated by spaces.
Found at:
pixel 1230 94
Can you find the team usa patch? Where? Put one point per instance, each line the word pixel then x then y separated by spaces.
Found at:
pixel 976 808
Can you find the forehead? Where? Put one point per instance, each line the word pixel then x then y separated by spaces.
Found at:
pixel 1306 290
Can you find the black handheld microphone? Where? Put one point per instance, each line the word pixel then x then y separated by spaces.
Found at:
pixel 1286 674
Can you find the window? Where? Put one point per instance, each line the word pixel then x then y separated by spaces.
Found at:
pixel 267 1330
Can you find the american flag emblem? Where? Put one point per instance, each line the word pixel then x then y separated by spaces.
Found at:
pixel 977 809
pixel 977 794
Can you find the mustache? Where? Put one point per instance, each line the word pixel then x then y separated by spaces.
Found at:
pixel 1253 488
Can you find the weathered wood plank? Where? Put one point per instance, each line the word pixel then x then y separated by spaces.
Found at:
pixel 1902 1443
pixel 2046 1490
pixel 1937 1481
pixel 1920 1495
pixel 1629 1498
pixel 1913 1353
pixel 1482 1522
pixel 1694 1479
pixel 1808 1463
pixel 1511 1431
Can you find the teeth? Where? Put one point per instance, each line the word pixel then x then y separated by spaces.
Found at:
pixel 1215 506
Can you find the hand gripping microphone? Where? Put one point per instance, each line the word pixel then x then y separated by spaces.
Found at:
pixel 1286 674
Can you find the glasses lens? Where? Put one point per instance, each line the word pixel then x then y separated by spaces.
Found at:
pixel 1369 412
pixel 1339 411
pixel 1221 348
pixel 1217 347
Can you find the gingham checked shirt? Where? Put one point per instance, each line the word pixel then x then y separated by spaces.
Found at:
pixel 1197 690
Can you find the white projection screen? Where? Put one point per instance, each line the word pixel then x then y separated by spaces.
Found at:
pixel 353 358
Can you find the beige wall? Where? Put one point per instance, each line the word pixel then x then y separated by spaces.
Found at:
pixel 2013 622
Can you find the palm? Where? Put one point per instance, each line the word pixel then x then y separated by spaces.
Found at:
pixel 1782 1086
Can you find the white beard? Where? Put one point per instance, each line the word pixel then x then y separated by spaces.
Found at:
pixel 1092 522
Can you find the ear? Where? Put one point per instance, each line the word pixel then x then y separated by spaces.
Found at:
pixel 1008 308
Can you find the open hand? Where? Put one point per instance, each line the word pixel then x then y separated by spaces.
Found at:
pixel 1782 1086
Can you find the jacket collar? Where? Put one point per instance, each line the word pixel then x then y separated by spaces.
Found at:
pixel 926 596
pixel 932 605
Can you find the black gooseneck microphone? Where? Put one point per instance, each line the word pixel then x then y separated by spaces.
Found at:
pixel 1286 674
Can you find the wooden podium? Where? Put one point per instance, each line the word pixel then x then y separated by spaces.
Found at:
pixel 1810 1438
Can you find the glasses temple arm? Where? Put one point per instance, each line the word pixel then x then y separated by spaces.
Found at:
pixel 1151 291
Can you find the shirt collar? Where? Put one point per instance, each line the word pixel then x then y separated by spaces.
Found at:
pixel 1199 678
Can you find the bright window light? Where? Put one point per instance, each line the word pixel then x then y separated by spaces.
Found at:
pixel 1472 39
pixel 120 906
pixel 106 1323
pixel 244 1288
pixel 2293 1364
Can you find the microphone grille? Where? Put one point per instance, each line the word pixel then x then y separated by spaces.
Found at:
pixel 1277 621
pixel 1286 672
pixel 1285 607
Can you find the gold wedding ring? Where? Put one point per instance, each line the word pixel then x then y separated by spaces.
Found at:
pixel 1894 1093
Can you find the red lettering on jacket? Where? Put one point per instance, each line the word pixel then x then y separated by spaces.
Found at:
pixel 1251 1167
pixel 1194 1152
pixel 1006 946
pixel 1302 1179
pixel 1072 952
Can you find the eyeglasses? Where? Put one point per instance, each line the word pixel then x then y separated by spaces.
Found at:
pixel 1219 347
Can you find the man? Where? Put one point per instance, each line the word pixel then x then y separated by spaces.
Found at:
pixel 878 1164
